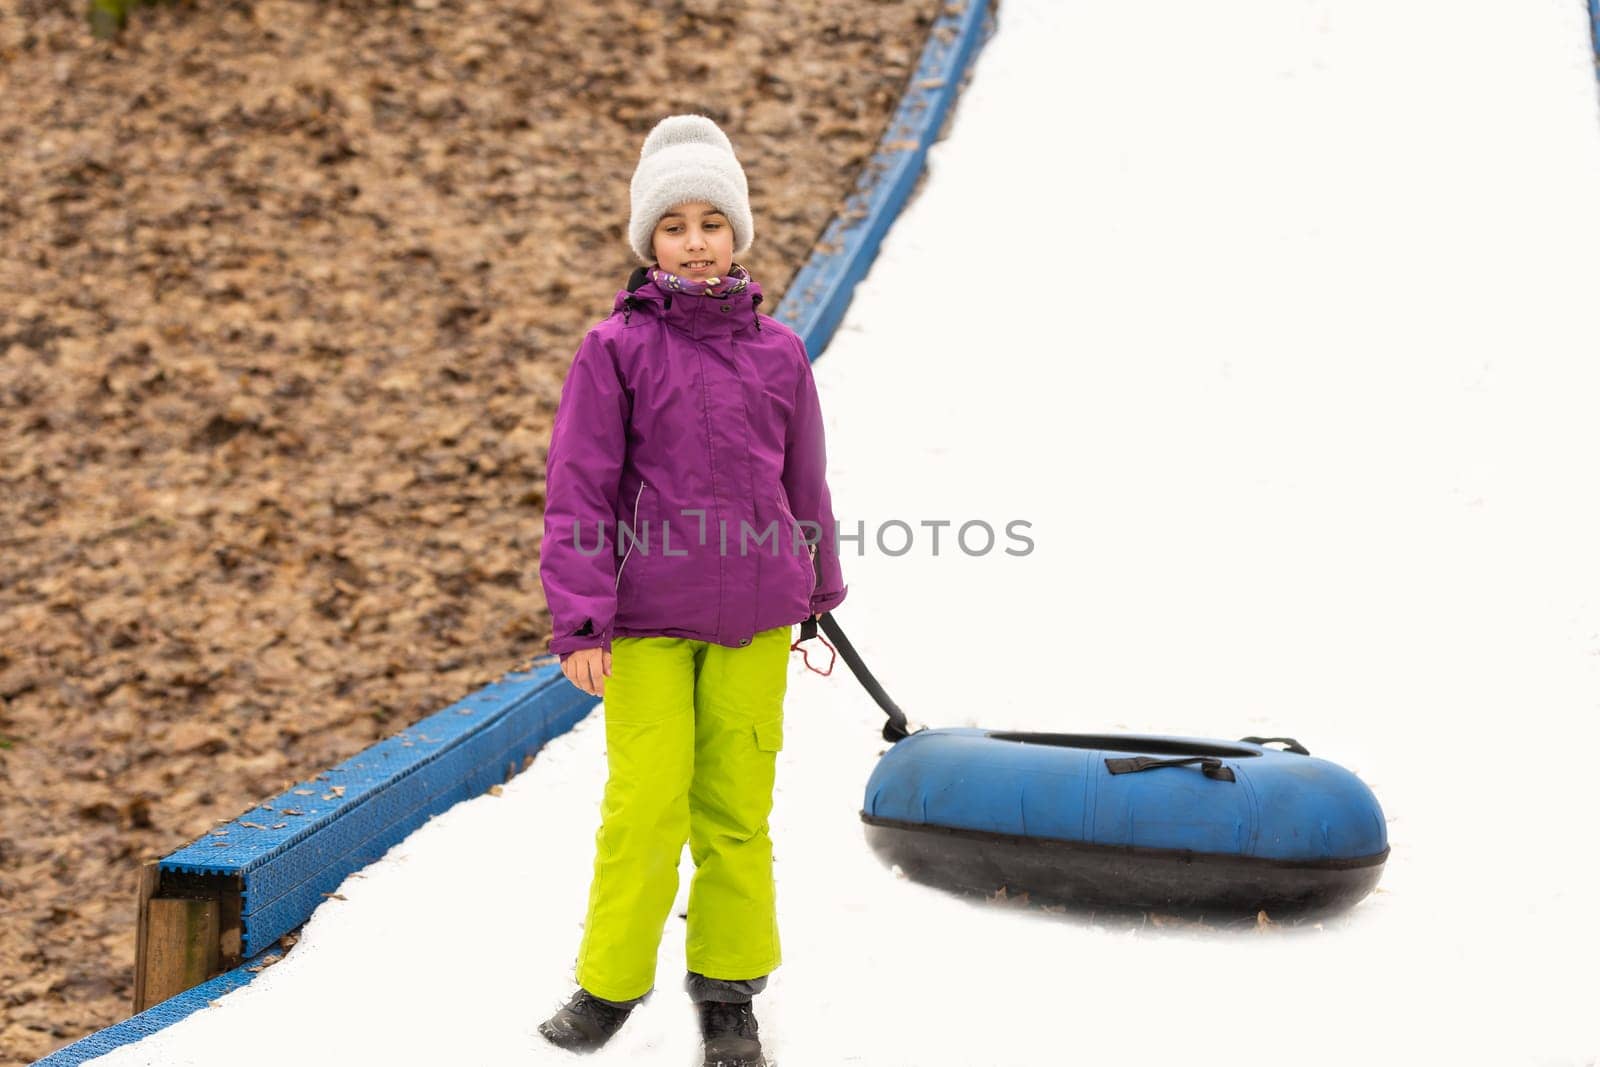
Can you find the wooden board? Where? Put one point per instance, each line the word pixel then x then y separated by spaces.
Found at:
pixel 182 948
pixel 149 879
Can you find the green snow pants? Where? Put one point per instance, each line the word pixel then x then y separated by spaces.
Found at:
pixel 693 731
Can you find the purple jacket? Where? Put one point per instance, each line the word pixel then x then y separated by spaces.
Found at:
pixel 685 488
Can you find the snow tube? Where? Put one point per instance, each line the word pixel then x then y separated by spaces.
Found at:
pixel 1121 820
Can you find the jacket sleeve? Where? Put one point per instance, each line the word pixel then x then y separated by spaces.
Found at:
pixel 805 479
pixel 577 558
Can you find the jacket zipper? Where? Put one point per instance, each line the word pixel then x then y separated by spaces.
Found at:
pixel 634 529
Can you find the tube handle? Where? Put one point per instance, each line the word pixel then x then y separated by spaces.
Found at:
pixel 1290 744
pixel 1210 766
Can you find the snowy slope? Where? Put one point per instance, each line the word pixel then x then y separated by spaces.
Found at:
pixel 1273 320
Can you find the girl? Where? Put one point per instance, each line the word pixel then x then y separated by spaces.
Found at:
pixel 689 425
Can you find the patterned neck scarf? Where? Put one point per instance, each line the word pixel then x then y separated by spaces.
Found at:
pixel 736 280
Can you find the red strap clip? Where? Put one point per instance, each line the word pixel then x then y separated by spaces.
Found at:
pixel 806 633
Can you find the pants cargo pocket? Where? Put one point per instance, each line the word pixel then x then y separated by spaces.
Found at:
pixel 769 735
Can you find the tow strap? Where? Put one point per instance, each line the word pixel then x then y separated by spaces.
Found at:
pixel 896 728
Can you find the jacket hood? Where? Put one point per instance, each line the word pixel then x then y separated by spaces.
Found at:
pixel 696 315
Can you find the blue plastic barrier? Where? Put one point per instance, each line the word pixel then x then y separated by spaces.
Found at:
pixel 818 295
pixel 1594 30
pixel 302 843
pixel 159 1017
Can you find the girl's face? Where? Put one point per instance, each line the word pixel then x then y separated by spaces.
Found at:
pixel 694 240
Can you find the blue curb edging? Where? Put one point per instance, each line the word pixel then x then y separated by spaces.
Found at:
pixel 295 847
pixel 818 295
pixel 291 849
pixel 1594 31
pixel 153 1019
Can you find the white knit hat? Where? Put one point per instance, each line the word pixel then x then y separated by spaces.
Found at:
pixel 686 158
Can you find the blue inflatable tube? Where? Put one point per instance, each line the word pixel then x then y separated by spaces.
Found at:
pixel 1125 820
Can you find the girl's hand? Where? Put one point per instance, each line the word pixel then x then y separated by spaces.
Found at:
pixel 588 669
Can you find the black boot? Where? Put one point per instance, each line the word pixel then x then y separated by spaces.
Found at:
pixel 731 1034
pixel 585 1023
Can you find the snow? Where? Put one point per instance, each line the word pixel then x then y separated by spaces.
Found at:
pixel 1272 319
